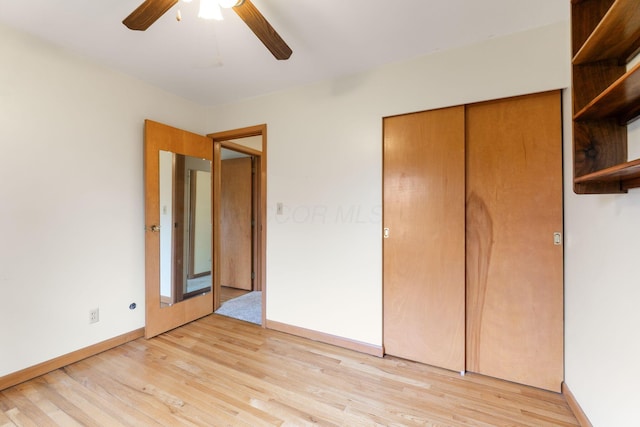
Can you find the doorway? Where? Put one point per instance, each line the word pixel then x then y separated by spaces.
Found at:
pixel 239 229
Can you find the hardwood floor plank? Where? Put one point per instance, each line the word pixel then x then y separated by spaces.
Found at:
pixel 57 415
pixel 19 419
pixel 219 371
pixel 57 388
pixel 168 395
pixel 203 390
pixel 5 421
pixel 114 397
pixel 26 408
pixel 125 398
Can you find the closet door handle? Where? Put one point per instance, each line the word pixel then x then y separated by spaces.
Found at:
pixel 385 233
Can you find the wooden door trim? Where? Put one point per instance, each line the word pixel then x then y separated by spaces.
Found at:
pixel 255 230
pixel 223 140
pixel 227 135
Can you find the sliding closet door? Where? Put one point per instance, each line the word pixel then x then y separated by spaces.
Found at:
pixel 424 247
pixel 514 268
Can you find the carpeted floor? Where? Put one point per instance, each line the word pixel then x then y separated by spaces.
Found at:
pixel 247 307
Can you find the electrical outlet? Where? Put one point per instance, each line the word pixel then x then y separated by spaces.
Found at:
pixel 94 315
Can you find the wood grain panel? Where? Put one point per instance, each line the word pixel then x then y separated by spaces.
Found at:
pixel 627 170
pixel 620 100
pixel 604 42
pixel 597 144
pixel 162 137
pixel 235 223
pixel 263 30
pixel 424 254
pixel 514 270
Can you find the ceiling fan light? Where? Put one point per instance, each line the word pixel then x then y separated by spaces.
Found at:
pixel 210 9
pixel 228 3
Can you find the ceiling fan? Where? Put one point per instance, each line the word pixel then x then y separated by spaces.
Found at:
pixel 151 10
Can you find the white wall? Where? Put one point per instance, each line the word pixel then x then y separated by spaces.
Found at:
pixel 602 290
pixel 324 254
pixel 71 198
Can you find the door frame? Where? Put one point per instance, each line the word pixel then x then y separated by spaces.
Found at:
pixel 259 236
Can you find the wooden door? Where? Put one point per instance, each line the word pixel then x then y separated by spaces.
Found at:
pixel 514 270
pixel 161 318
pixel 235 223
pixel 424 251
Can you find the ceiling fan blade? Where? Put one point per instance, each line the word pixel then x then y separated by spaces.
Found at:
pixel 263 30
pixel 147 13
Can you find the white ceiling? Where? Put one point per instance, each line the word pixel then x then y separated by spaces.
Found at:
pixel 218 62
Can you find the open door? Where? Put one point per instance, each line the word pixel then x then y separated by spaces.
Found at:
pixel 242 141
pixel 168 154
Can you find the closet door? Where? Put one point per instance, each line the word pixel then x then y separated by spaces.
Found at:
pixel 514 269
pixel 423 194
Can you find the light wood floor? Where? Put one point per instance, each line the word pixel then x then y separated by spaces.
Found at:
pixel 219 371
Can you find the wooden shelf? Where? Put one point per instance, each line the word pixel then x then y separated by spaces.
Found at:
pixel 628 174
pixel 617 36
pixel 620 100
pixel 606 96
